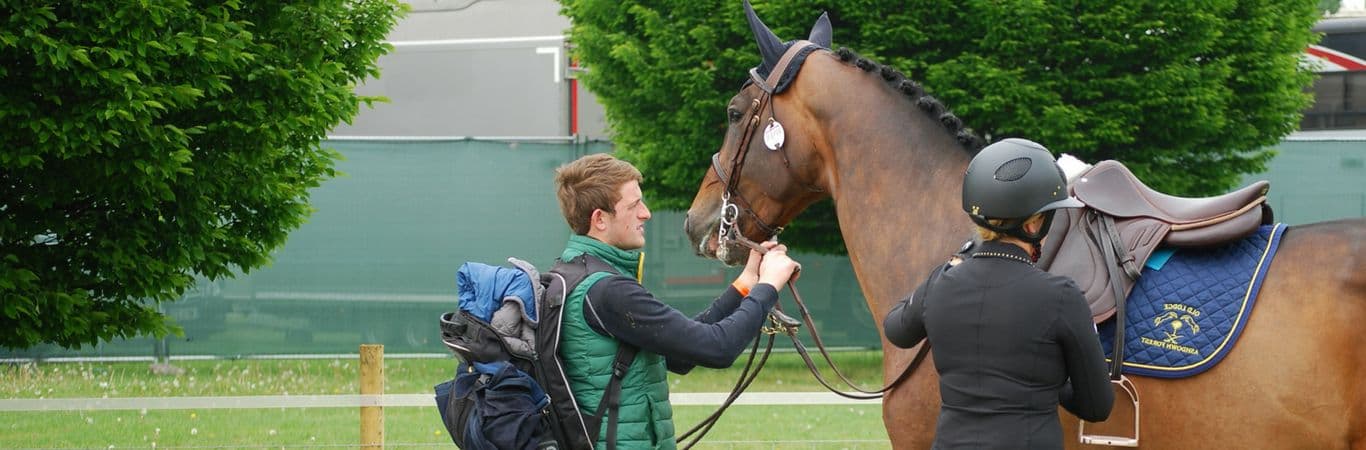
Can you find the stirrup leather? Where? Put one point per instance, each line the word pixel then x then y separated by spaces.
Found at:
pixel 1115 441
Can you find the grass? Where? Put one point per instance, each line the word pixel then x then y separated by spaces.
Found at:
pixel 742 427
pixel 843 426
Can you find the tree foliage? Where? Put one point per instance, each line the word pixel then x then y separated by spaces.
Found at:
pixel 146 143
pixel 1189 95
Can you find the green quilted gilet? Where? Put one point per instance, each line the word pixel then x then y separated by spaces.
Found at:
pixel 645 420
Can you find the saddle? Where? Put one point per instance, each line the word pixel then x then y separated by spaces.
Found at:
pixel 1104 246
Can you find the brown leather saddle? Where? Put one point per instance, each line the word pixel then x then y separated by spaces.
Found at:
pixel 1103 246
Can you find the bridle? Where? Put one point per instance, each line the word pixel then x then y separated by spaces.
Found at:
pixel 727 227
pixel 728 231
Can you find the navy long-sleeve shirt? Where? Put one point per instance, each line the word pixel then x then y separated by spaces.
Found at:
pixel 1011 343
pixel 620 307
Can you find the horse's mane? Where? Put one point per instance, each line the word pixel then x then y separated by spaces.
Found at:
pixel 970 141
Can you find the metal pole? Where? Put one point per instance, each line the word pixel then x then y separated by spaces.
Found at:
pixel 372 383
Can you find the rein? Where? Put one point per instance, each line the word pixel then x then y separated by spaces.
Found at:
pixel 728 231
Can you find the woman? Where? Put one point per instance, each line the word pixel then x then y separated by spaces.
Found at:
pixel 1011 342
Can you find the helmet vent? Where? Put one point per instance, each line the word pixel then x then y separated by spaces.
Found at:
pixel 1014 169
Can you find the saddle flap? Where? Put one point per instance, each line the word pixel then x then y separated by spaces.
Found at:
pixel 1069 251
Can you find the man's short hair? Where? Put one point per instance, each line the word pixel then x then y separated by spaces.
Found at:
pixel 589 183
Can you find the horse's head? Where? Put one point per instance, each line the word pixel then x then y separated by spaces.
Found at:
pixel 771 164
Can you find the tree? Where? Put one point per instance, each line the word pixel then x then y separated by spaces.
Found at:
pixel 1188 95
pixel 147 143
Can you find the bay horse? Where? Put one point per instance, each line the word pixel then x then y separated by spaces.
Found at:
pixel 892 158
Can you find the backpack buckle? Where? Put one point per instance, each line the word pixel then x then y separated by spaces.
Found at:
pixel 619 369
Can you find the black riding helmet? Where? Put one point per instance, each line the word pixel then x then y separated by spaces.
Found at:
pixel 1012 180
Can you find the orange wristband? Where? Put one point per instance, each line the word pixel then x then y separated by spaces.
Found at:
pixel 743 290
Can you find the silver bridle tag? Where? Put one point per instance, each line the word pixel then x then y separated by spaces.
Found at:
pixel 774 135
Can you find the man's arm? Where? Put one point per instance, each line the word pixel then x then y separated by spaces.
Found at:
pixel 722 307
pixel 622 308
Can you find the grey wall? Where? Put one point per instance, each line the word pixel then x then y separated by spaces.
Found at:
pixel 477 68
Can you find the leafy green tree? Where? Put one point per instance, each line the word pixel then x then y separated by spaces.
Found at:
pixel 1189 95
pixel 147 142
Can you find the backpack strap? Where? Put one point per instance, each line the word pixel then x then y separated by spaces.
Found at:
pixel 611 398
pixel 575 271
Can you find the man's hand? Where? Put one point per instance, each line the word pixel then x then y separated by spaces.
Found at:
pixel 750 276
pixel 777 268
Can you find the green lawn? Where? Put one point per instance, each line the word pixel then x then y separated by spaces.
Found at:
pixel 742 426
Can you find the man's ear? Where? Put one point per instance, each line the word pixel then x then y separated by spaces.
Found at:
pixel 597 219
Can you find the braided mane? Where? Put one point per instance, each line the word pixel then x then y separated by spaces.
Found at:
pixel 970 141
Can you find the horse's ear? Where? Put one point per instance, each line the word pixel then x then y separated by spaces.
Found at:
pixel 770 46
pixel 820 32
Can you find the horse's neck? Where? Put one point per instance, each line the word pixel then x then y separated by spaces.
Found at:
pixel 897 196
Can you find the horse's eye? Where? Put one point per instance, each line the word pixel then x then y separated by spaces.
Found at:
pixel 733 114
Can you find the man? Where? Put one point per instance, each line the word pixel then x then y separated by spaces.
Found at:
pixel 601 200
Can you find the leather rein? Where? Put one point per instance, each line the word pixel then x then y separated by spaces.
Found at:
pixel 728 231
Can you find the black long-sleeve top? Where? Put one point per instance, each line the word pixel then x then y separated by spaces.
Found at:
pixel 620 307
pixel 1011 342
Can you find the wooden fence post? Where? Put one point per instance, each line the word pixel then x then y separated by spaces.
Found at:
pixel 372 383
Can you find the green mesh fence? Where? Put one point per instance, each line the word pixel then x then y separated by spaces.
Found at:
pixel 376 262
pixel 1315 181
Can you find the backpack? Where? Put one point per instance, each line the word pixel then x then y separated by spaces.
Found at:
pixel 510 390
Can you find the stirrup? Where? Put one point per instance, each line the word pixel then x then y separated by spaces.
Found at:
pixel 1115 441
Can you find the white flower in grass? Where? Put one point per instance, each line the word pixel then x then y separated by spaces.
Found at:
pixel 90 420
pixel 194 431
pixel 272 432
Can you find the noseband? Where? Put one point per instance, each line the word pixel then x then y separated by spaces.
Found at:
pixel 727 229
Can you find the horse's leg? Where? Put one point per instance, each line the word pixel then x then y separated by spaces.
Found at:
pixel 911 410
pixel 1293 378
